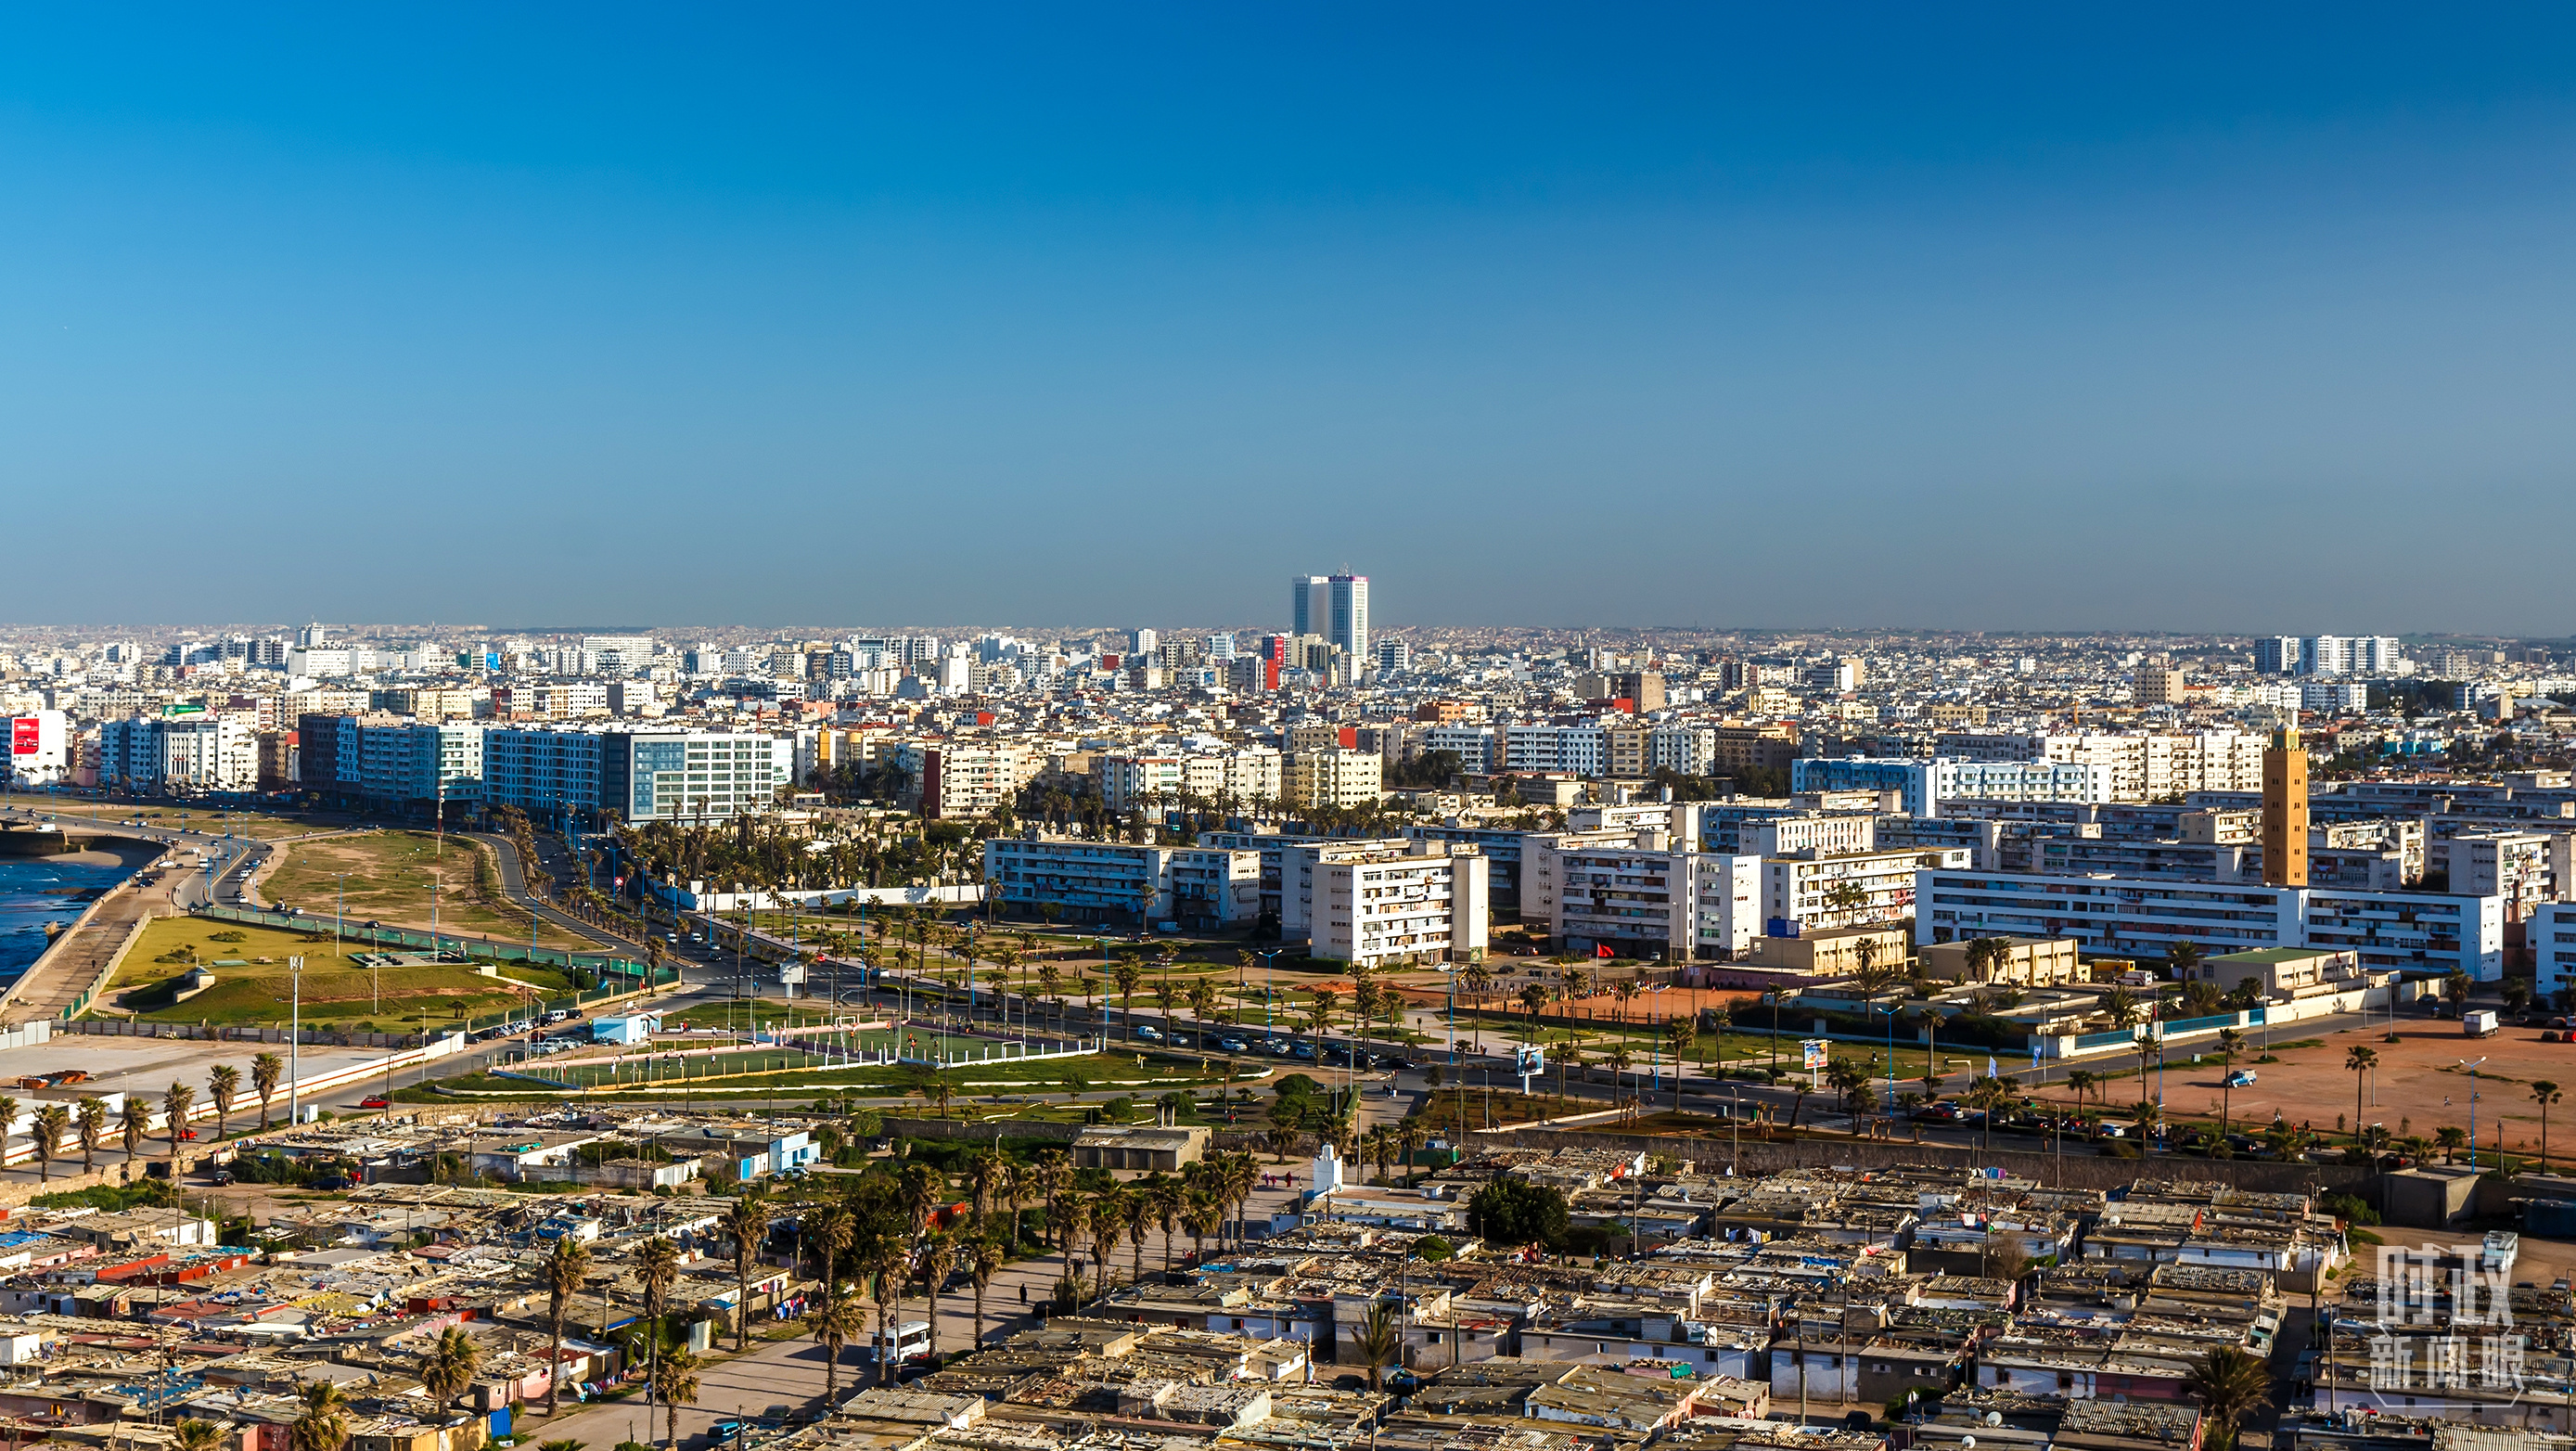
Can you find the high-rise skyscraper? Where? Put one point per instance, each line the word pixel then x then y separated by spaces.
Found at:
pixel 1310 604
pixel 1349 626
pixel 2285 810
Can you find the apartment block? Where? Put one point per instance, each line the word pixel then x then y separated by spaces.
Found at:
pixel 692 776
pixel 2551 934
pixel 969 779
pixel 2526 869
pixel 1215 887
pixel 1393 908
pixel 2137 917
pixel 180 755
pixel 1090 881
pixel 1844 889
pixel 1641 899
pixel 1332 778
pixel 545 773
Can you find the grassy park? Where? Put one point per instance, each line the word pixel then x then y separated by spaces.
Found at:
pixel 388 876
pixel 253 982
pixel 239 823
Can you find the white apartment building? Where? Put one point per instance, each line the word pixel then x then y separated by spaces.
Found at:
pixel 2143 766
pixel 1472 745
pixel 1579 750
pixel 1688 750
pixel 2552 936
pixel 1838 834
pixel 1332 778
pixel 2416 932
pixel 676 775
pixel 2525 869
pixel 180 755
pixel 1135 783
pixel 1240 776
pixel 1425 902
pixel 1816 891
pixel 1089 881
pixel 973 778
pixel 1647 901
pixel 1215 887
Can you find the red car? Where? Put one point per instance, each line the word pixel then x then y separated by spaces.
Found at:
pixel 187 1136
pixel 375 1100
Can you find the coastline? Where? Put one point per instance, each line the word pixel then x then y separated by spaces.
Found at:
pixel 65 889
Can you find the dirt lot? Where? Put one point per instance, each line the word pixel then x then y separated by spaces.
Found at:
pixel 2419 1085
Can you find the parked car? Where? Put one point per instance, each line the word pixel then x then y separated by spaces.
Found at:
pixel 1233 1045
pixel 375 1100
pixel 1302 1051
pixel 2241 1078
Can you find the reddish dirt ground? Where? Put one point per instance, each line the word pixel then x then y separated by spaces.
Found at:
pixel 2420 1086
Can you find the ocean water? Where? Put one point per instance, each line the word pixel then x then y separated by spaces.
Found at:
pixel 38 890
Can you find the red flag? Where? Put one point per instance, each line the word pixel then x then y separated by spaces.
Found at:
pixel 1602 949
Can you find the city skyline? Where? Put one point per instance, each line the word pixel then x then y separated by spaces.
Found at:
pixel 2032 320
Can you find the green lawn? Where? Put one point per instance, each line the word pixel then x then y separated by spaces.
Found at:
pixel 334 990
pixel 388 876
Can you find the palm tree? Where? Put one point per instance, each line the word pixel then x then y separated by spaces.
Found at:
pixel 2082 1081
pixel 2180 959
pixel 746 1223
pixel 1128 974
pixel 222 1087
pixel 2229 1384
pixel 675 1380
pixel 265 1072
pixel 2452 1138
pixel 323 1422
pixel 176 1101
pixel 2544 1093
pixel 657 1268
pixel 196 1435
pixel 983 1261
pixel 2230 1043
pixel 931 1260
pixel 837 1321
pixel 131 1127
pixel 2359 1061
pixel 52 1122
pixel 449 1366
pixel 561 1271
pixel 884 1265
pixel 91 1119
pixel 1533 998
pixel 1381 1339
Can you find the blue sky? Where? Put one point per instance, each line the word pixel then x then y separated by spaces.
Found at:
pixel 2014 318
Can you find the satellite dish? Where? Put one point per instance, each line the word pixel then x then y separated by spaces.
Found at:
pixel 1994 1418
pixel 1967 1443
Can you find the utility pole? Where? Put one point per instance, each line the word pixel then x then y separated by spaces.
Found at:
pixel 294 1034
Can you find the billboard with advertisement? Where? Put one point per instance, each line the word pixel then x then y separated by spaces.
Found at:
pixel 25 735
pixel 1812 1054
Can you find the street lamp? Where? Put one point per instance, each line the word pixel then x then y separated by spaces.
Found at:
pixel 1890 1014
pixel 2472 1065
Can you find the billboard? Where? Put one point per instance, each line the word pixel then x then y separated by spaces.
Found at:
pixel 23 735
pixel 182 708
pixel 1813 1052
